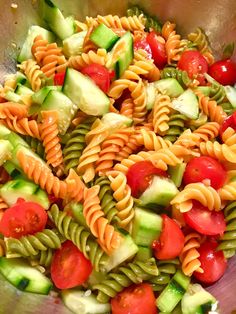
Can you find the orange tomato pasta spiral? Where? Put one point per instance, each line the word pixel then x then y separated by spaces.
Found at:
pixel 222 152
pixel 173 42
pixel 161 109
pixel 33 73
pixel 79 62
pixel 138 93
pixel 39 47
pixel 130 23
pixel 189 255
pixel 108 238
pixel 51 141
pixel 151 141
pixel 12 110
pixel 188 139
pixel 130 147
pixel 24 126
pixel 200 192
pixel 208 131
pixel 122 194
pixel 229 136
pixel 127 108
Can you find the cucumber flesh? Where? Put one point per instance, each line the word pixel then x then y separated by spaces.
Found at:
pixel 12 170
pixel 104 37
pixel 151 93
pixel 147 227
pixel 73 45
pixel 116 120
pixel 176 173
pixel 81 303
pixel 23 90
pixel 169 86
pixel 231 95
pixel 39 97
pixel 187 104
pixel 5 151
pixel 23 276
pixel 83 92
pixel 27 190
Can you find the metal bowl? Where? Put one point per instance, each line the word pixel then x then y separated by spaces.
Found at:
pixel 216 17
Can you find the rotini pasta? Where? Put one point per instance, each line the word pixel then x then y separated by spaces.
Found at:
pixel 33 74
pixel 222 152
pixel 161 112
pixel 11 111
pixel 23 126
pixel 176 125
pixel 151 141
pixel 172 42
pixel 79 62
pixel 181 76
pixel 229 136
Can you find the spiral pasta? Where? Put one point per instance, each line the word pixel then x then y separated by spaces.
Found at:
pixel 130 147
pixel 208 131
pixel 172 42
pixel 23 126
pixel 200 192
pixel 176 125
pixel 33 73
pixel 229 136
pixel 161 112
pixel 31 245
pixel 127 108
pixel 36 145
pixel 151 141
pixel 10 110
pixel 108 238
pixel 79 236
pixel 44 258
pixel 217 93
pixel 228 239
pixel 228 191
pixel 222 152
pixel 181 76
pixel 79 62
pixel 135 272
pixel 189 255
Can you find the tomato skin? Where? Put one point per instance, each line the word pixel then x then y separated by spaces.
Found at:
pixel 22 219
pixel 212 262
pixel 204 221
pixel 171 241
pixel 59 78
pixel 136 299
pixel 69 268
pixel 139 176
pixel 99 74
pixel 223 71
pixel 143 44
pixel 157 45
pixel 204 167
pixel 230 121
pixel 194 64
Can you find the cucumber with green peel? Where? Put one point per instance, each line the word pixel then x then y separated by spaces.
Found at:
pixel 104 37
pixel 21 79
pixel 82 302
pixel 176 173
pixel 230 92
pixel 151 93
pixel 12 96
pixel 39 96
pixel 23 276
pixel 52 15
pixel 187 104
pixel 20 188
pixel 83 92
pixel 6 149
pixel 147 227
pixel 12 170
pixel 169 86
pixel 23 90
pixel 73 45
pixel 115 120
pixel 34 31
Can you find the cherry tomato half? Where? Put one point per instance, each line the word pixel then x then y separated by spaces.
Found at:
pixel 23 218
pixel 224 72
pixel 139 176
pixel 99 74
pixel 213 263
pixel 194 64
pixel 157 45
pixel 143 44
pixel 230 121
pixel 204 221
pixel 59 78
pixel 204 167
pixel 69 268
pixel 171 241
pixel 136 299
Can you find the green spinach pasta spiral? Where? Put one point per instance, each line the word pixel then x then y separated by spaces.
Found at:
pixel 217 93
pixel 135 272
pixel 44 258
pixel 108 205
pixel 176 126
pixel 167 269
pixel 79 236
pixel 228 240
pixel 181 76
pixel 31 245
pixel 75 144
pixel 35 145
pixel 228 108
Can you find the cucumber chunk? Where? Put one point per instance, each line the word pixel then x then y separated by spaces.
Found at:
pixel 73 45
pixel 160 192
pixel 23 90
pixel 82 303
pixel 85 94
pixel 23 276
pixel 205 90
pixel 169 86
pixel 231 95
pixel 66 110
pixel 62 27
pixel 151 93
pixel 116 120
pixel 176 173
pixel 5 151
pixel 197 300
pixel 187 104
pixel 27 190
pixel 34 31
pixel 104 37
pixel 147 227
pixel 39 97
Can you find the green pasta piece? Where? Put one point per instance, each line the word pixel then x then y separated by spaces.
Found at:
pixel 151 21
pixel 167 269
pixel 76 233
pixel 228 108
pixel 35 145
pixel 176 126
pixel 31 245
pixel 125 276
pixel 181 76
pixel 44 258
pixel 108 203
pixel 199 38
pixel 228 240
pixel 76 144
pixel 217 93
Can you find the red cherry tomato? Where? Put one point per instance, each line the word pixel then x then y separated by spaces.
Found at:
pixel 194 64
pixel 99 74
pixel 143 44
pixel 204 167
pixel 213 263
pixel 224 72
pixel 136 299
pixel 204 221
pixel 69 268
pixel 59 78
pixel 139 176
pixel 171 241
pixel 157 45
pixel 23 218
pixel 228 122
